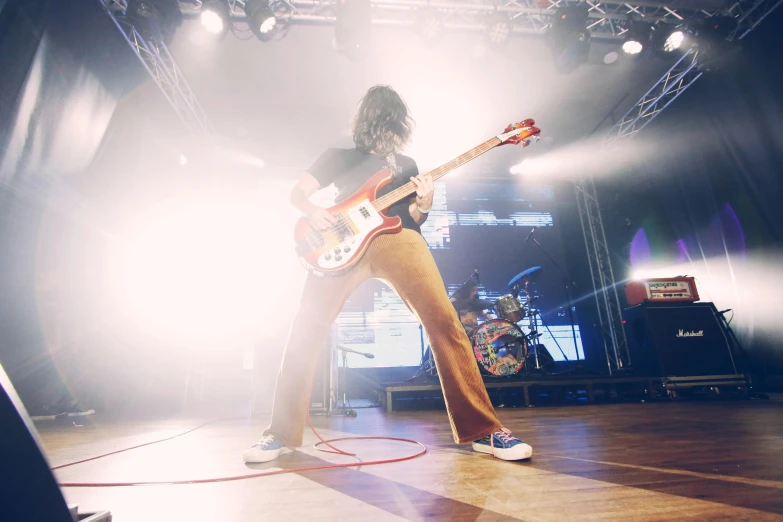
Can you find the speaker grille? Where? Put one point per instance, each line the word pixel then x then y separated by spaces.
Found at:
pixel 678 340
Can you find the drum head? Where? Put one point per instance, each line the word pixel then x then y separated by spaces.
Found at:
pixel 500 347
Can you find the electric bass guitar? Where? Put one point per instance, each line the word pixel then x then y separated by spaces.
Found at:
pixel 360 217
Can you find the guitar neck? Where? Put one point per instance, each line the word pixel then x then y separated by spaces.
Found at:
pixel 409 188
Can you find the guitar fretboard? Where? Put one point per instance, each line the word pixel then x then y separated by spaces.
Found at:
pixel 409 188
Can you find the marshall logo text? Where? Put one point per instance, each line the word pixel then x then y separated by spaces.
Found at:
pixel 683 333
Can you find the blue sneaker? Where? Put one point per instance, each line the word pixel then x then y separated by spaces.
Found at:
pixel 266 449
pixel 503 445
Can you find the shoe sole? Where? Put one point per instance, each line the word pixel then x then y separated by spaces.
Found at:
pixel 257 457
pixel 518 452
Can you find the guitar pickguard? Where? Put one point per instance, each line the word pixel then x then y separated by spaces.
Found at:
pixel 363 219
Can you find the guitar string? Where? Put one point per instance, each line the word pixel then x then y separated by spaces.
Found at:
pixel 409 188
pixel 444 169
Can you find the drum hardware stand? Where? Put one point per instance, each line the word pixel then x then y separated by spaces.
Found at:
pixel 567 283
pixel 533 336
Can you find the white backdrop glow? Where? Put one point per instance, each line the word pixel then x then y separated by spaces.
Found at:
pixel 204 270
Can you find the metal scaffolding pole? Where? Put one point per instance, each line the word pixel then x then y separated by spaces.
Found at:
pixel 162 68
pixel 607 20
pixel 607 299
pixel 684 72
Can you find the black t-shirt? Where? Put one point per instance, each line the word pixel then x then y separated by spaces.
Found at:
pixel 349 169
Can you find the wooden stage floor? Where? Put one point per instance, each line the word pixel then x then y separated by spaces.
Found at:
pixel 709 460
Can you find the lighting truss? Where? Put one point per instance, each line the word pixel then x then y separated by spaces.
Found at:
pixel 606 19
pixel 684 72
pixel 607 299
pixel 162 68
pixel 673 83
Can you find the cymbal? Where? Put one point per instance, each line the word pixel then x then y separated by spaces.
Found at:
pixel 526 275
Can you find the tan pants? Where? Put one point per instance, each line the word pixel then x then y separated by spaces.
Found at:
pixel 405 263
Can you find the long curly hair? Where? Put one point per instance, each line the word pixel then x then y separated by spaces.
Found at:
pixel 382 123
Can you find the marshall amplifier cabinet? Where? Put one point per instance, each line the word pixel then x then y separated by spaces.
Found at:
pixel 661 290
pixel 679 340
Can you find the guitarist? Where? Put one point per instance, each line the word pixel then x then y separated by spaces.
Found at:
pixel 381 128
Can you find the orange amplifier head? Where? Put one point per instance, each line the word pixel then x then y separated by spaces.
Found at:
pixel 661 290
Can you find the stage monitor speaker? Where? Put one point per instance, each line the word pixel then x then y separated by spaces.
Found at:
pixel 29 490
pixel 678 341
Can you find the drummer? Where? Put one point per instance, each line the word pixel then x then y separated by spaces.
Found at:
pixel 466 302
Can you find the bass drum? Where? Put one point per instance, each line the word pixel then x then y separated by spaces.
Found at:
pixel 500 348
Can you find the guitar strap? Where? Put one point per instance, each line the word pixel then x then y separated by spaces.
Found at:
pixel 391 162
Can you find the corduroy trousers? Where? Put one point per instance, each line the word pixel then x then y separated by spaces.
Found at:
pixel 405 263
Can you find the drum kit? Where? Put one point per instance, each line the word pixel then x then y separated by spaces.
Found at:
pixel 500 345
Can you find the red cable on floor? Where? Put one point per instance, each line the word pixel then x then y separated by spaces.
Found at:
pixel 251 475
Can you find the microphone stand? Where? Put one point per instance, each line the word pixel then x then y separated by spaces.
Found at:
pixel 567 282
pixel 343 410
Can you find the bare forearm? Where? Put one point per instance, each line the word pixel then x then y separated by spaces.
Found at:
pixel 301 201
pixel 417 216
pixel 421 202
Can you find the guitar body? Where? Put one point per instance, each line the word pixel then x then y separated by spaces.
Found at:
pixel 336 250
pixel 360 218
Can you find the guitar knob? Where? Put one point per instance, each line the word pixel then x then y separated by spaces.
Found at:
pixel 336 250
pixel 338 258
pixel 328 256
pixel 346 249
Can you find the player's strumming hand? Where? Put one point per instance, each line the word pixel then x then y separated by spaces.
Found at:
pixel 320 219
pixel 425 189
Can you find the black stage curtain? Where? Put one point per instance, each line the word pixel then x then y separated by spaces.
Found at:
pixel 64 66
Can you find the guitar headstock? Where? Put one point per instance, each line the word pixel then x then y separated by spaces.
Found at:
pixel 523 132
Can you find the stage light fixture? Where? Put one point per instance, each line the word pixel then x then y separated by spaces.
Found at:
pixel 215 16
pixel 155 20
pixel 261 19
pixel 669 41
pixel 637 37
pixel 429 25
pixel 498 29
pixel 569 38
pixel 674 41
pixel 715 51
